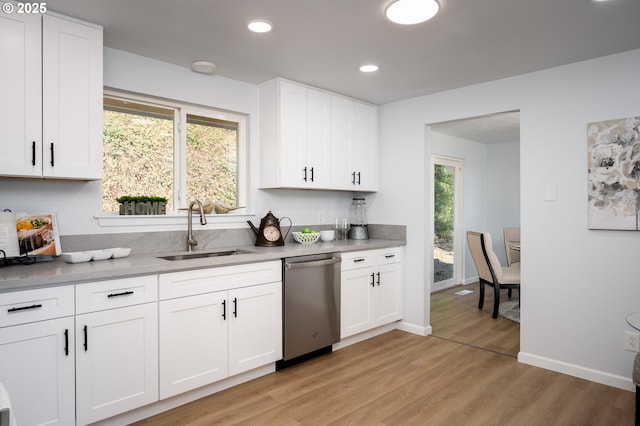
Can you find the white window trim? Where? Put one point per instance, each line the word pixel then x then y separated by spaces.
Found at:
pixel 173 219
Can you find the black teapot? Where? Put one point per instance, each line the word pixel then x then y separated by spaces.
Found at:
pixel 270 234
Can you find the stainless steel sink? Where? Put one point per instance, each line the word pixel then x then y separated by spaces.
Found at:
pixel 199 255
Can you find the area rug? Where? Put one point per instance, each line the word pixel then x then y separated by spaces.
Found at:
pixel 510 310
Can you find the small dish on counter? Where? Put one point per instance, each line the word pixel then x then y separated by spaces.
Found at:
pixel 88 255
pixel 76 256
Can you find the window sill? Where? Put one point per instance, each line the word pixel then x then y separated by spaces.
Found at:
pixel 170 220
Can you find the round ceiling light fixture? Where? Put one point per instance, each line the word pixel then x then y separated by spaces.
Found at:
pixel 369 68
pixel 260 26
pixel 203 67
pixel 410 12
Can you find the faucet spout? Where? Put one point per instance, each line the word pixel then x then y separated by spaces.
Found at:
pixel 191 242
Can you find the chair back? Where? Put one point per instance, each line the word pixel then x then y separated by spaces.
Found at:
pixel 486 261
pixel 511 237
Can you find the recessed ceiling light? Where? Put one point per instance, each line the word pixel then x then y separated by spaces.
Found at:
pixel 260 26
pixel 369 68
pixel 409 12
pixel 203 67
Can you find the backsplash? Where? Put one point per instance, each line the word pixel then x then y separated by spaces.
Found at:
pixel 155 242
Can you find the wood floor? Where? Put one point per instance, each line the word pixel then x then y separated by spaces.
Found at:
pixel 404 379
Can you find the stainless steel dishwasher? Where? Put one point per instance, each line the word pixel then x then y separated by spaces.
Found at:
pixel 311 306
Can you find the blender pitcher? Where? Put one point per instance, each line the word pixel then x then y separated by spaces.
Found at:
pixel 358 218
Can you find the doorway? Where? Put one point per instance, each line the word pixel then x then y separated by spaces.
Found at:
pixel 446 200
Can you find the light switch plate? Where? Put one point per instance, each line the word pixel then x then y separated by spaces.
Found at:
pixel 550 192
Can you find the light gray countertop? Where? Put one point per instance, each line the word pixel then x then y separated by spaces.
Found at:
pixel 58 272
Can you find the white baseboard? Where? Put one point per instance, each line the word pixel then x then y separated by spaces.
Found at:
pixel 414 329
pixel 597 376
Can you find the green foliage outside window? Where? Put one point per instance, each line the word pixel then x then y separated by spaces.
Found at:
pixel 443 201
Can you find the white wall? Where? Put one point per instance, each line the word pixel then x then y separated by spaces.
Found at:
pixel 76 203
pixel 578 284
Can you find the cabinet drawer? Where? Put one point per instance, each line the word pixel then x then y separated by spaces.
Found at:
pixel 21 307
pixel 101 295
pixel 189 283
pixel 386 256
pixel 357 259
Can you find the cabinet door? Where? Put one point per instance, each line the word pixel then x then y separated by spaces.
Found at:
pixel 318 159
pixel 71 99
pixel 388 294
pixel 21 100
pixel 193 342
pixel 355 304
pixel 255 326
pixel 342 126
pixel 37 369
pixel 293 134
pixel 364 148
pixel 116 361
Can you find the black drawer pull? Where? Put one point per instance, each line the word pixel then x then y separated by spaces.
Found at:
pixel 51 149
pixel 389 256
pixel 362 259
pixel 33 153
pixel 124 293
pixel 24 308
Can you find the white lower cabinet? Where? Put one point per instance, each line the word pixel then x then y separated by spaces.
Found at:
pixel 218 322
pixel 36 355
pixel 116 347
pixel 371 290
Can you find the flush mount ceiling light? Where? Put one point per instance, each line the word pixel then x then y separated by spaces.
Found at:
pixel 409 12
pixel 260 26
pixel 203 67
pixel 369 68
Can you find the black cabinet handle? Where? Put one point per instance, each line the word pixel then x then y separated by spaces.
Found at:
pixel 86 340
pixel 51 148
pixel 353 178
pixel 359 260
pixel 24 308
pixel 235 307
pixel 224 309
pixel 372 279
pixel 33 153
pixel 66 342
pixel 378 279
pixel 305 174
pixel 124 293
pixel 389 256
pixel 312 174
pixel 358 178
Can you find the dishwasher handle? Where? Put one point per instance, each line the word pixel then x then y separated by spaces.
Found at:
pixel 312 263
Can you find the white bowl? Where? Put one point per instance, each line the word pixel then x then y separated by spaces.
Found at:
pixel 120 252
pixel 76 256
pixel 100 254
pixel 308 238
pixel 328 235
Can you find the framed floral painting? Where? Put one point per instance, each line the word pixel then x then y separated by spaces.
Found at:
pixel 614 174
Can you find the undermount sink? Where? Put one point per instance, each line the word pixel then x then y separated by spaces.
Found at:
pixel 199 255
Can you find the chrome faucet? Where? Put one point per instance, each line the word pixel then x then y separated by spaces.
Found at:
pixel 203 221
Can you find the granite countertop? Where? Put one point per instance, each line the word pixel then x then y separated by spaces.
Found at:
pixel 58 272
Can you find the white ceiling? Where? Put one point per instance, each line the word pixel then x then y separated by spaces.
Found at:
pixel 323 42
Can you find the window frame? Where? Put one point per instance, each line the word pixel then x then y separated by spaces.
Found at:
pixel 181 109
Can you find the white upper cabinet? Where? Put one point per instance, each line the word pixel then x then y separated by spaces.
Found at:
pixel 314 139
pixel 52 112
pixel 295 136
pixel 354 139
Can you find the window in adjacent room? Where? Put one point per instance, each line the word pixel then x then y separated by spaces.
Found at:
pixel 178 151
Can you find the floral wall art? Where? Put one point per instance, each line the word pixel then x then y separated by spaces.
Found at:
pixel 614 174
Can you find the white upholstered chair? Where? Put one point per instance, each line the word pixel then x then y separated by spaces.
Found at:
pixel 490 271
pixel 512 239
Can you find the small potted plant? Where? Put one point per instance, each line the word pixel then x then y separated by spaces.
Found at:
pixel 142 205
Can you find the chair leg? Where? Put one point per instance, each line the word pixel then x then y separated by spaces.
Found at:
pixel 509 294
pixel 496 300
pixel 481 300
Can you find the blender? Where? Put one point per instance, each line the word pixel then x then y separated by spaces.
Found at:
pixel 358 218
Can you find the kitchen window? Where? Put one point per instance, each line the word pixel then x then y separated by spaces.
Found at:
pixel 179 151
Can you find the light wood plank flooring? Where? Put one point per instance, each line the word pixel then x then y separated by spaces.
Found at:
pixel 400 378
